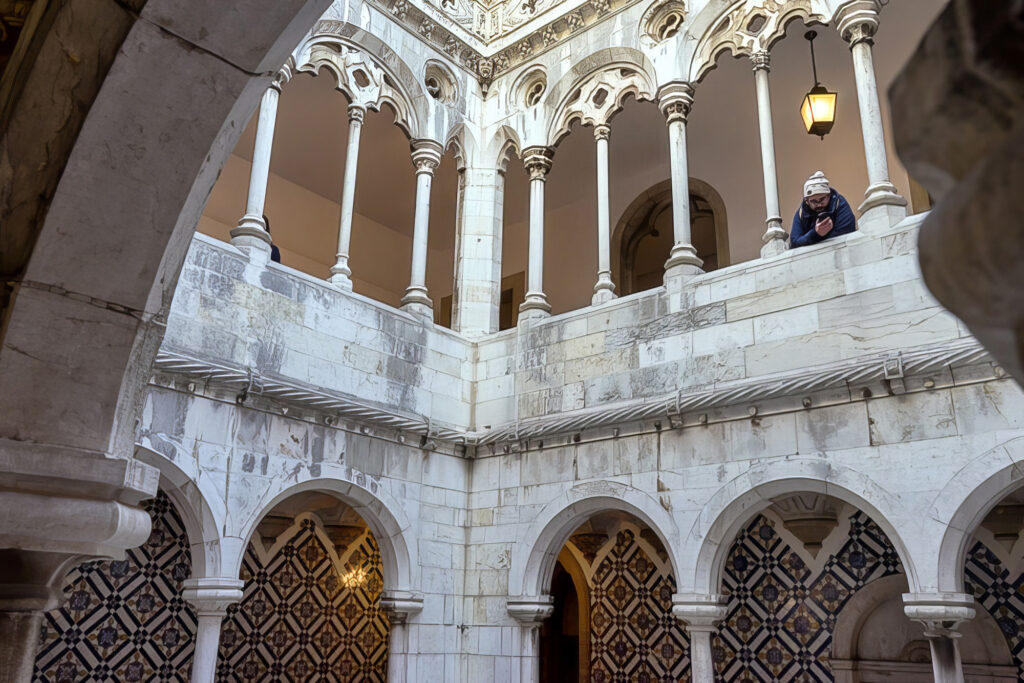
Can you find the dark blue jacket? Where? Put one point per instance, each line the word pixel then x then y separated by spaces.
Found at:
pixel 802 233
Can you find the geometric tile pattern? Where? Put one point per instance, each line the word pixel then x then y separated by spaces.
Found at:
pixel 1001 594
pixel 125 620
pixel 781 613
pixel 633 635
pixel 306 615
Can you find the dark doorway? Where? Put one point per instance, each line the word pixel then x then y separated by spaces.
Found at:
pixel 560 634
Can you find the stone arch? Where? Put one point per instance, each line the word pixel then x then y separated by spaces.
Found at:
pixel 986 479
pixel 380 511
pixel 591 73
pixel 747 27
pixel 195 500
pixel 648 205
pixel 504 140
pixel 537 548
pixel 734 504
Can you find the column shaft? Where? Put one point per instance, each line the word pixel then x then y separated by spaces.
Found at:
pixel 774 239
pixel 604 290
pixel 538 163
pixel 680 182
pixel 946 664
pixel 870 114
pixel 204 660
pixel 19 640
pixel 250 235
pixel 702 666
pixel 675 100
pixel 341 273
pixel 426 156
pixel 211 596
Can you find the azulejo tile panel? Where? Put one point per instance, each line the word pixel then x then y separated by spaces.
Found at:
pixel 1000 591
pixel 125 620
pixel 306 614
pixel 781 611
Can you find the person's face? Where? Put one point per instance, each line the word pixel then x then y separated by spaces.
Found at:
pixel 817 202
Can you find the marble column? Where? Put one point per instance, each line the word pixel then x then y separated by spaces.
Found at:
pixel 604 290
pixel 530 612
pixel 250 235
pixel 774 239
pixel 399 606
pixel 341 273
pixel 426 155
pixel 211 597
pixel 538 162
pixel 941 614
pixel 675 99
pixel 701 614
pixel 477 301
pixel 883 206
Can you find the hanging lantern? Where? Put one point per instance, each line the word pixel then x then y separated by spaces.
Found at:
pixel 819 106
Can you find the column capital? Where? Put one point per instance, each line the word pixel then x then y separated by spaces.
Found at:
pixel 675 100
pixel 426 155
pixel 940 613
pixel 400 605
pixel 531 610
pixel 857 21
pixel 212 596
pixel 700 612
pixel 283 75
pixel 356 113
pixel 761 60
pixel 602 131
pixel 537 161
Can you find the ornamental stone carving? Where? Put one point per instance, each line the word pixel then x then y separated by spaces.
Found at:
pixel 600 96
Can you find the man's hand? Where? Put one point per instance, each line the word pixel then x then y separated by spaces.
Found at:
pixel 823 226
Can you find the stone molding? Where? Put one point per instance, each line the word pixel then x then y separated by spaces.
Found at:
pixel 876 367
pixel 940 613
pixel 700 612
pixel 400 605
pixel 531 610
pixel 212 596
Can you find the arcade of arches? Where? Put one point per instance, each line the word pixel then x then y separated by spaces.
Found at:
pixel 460 341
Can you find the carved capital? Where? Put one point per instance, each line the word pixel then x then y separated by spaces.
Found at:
pixel 426 155
pixel 283 75
pixel 356 113
pixel 212 596
pixel 857 21
pixel 537 161
pixel 602 131
pixel 400 605
pixel 700 612
pixel 762 60
pixel 675 100
pixel 531 611
pixel 940 613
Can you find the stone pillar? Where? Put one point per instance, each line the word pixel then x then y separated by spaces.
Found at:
pixel 701 614
pixel 211 597
pixel 400 605
pixel 341 273
pixel 675 99
pixel 604 290
pixel 477 299
pixel 530 612
pixel 426 155
pixel 538 162
pixel 250 235
pixel 57 509
pixel 774 239
pixel 883 206
pixel 941 614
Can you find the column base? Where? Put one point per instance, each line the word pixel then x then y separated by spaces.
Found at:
pixel 252 238
pixel 341 274
pixel 535 305
pixel 604 290
pixel 774 241
pixel 417 302
pixel 882 208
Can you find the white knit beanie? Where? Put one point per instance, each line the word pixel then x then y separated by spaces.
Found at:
pixel 816 184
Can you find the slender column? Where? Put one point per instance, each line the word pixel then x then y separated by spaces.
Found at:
pixel 675 100
pixel 211 598
pixel 426 155
pixel 538 163
pixel 250 235
pixel 341 274
pixel 857 22
pixel 530 612
pixel 604 290
pixel 701 614
pixel 774 239
pixel 941 614
pixel 400 605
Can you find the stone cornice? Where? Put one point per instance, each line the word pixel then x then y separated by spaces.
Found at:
pixel 678 409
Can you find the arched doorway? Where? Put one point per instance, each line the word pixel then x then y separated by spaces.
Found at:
pixel 311 603
pixel 643 236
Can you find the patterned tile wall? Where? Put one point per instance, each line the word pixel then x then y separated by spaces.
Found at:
pixel 307 614
pixel 784 604
pixel 125 620
pixel 999 587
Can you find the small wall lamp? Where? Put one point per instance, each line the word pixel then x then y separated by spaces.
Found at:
pixel 819 106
